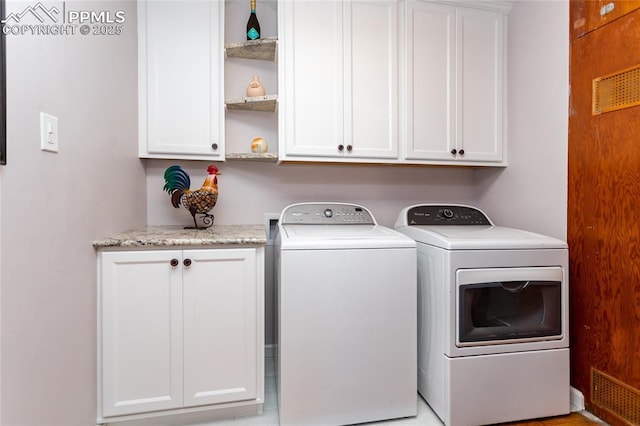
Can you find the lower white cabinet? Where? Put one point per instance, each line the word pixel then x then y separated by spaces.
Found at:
pixel 179 329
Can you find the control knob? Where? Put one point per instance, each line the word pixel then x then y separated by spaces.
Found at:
pixel 447 213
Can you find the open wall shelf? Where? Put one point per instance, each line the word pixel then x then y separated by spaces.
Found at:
pixel 266 103
pixel 264 49
pixel 268 157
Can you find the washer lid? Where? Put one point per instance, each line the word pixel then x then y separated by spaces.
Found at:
pixel 479 237
pixel 318 237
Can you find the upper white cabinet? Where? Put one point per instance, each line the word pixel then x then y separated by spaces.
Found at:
pixel 360 81
pixel 338 80
pixel 454 78
pixel 181 81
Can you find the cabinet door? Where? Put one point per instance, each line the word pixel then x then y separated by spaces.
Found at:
pixel 371 89
pixel 141 332
pixel 181 79
pixel 311 77
pixel 339 78
pixel 430 79
pixel 220 326
pixel 479 100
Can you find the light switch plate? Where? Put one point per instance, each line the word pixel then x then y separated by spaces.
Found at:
pixel 48 132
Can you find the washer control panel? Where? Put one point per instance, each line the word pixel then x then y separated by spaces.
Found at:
pixel 435 214
pixel 326 213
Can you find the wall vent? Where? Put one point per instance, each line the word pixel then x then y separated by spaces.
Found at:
pixel 617 90
pixel 615 397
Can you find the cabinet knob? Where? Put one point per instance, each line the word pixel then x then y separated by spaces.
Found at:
pixel 349 148
pixel 454 151
pixel 461 152
pixel 214 146
pixel 186 262
pixel 174 262
pixel 341 147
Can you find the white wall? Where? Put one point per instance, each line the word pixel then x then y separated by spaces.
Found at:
pixel 54 205
pixel 248 190
pixel 0 294
pixel 531 193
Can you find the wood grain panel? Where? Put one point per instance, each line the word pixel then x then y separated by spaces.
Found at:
pixel 585 15
pixel 573 419
pixel 604 213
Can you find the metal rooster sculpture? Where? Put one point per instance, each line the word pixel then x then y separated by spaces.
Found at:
pixel 199 202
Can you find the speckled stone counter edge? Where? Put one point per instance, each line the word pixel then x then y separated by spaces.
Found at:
pixel 167 236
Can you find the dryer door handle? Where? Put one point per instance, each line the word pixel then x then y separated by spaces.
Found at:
pixel 514 286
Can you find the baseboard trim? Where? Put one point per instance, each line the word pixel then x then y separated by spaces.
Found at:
pixel 577 400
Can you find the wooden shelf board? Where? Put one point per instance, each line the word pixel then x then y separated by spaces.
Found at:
pixel 257 103
pixel 263 49
pixel 250 156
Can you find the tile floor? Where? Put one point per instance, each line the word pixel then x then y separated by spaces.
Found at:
pixel 425 417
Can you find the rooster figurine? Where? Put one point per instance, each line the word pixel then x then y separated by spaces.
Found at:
pixel 199 202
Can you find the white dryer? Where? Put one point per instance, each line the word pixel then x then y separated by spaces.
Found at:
pixel 493 326
pixel 347 304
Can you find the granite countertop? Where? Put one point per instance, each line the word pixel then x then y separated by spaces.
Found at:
pixel 168 236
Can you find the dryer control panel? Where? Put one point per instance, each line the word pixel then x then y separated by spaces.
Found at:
pixel 436 214
pixel 326 213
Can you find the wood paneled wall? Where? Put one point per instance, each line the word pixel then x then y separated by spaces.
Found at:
pixel 604 210
pixel 587 15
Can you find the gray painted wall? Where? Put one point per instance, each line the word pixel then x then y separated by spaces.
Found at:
pixel 54 205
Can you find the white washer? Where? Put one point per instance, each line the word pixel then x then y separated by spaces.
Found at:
pixel 347 314
pixel 493 325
